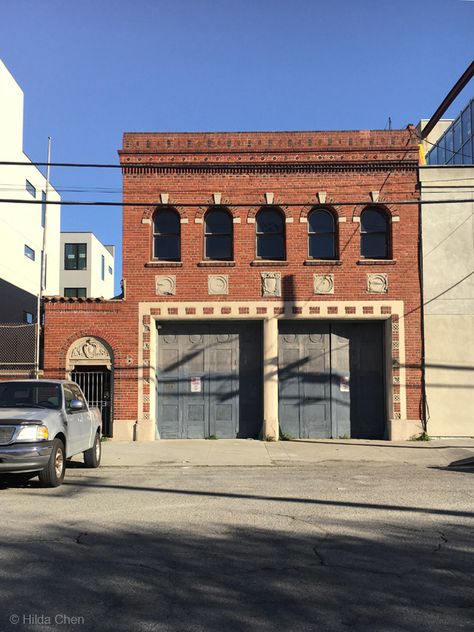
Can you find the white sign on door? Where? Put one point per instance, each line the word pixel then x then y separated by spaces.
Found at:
pixel 195 385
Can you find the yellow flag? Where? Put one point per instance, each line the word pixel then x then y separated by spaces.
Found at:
pixel 421 155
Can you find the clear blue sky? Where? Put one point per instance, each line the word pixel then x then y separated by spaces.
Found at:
pixel 92 69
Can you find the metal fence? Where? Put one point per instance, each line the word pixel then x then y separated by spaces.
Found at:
pixel 97 387
pixel 18 347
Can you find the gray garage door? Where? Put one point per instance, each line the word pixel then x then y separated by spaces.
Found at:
pixel 209 380
pixel 331 381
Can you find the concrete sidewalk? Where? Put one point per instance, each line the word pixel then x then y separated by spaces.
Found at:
pixel 245 452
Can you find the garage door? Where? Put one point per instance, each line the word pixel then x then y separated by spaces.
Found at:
pixel 331 381
pixel 209 380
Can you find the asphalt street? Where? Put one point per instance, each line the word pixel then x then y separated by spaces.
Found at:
pixel 334 545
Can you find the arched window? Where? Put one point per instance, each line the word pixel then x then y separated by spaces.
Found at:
pixel 218 235
pixel 374 243
pixel 321 235
pixel 270 230
pixel 166 235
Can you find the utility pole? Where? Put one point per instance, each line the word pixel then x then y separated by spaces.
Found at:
pixel 42 286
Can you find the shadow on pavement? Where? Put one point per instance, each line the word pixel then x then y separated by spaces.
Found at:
pixel 235 579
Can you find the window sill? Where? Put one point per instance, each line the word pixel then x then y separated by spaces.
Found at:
pixel 322 262
pixel 164 264
pixel 216 264
pixel 268 263
pixel 376 262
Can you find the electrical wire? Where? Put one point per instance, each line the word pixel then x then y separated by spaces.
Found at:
pixel 233 205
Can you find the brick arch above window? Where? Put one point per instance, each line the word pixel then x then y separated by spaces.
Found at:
pixel 252 213
pixel 148 212
pixel 224 205
pixel 388 209
pixel 337 211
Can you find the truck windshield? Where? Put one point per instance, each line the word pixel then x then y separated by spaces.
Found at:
pixel 30 395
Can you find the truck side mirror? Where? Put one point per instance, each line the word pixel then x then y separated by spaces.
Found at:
pixel 76 404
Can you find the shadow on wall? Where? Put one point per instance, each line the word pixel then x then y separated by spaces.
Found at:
pixel 407 578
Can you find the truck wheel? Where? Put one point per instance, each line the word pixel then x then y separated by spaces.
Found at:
pixel 92 456
pixel 53 474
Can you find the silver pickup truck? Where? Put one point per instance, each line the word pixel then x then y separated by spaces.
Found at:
pixel 43 423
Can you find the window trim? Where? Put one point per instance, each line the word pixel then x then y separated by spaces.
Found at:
pixel 388 233
pixel 29 252
pixel 76 257
pixel 225 210
pixel 30 188
pixel 76 292
pixel 154 234
pixel 334 233
pixel 271 207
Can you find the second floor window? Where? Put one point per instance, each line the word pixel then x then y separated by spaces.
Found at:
pixel 374 242
pixel 321 235
pixel 218 235
pixel 166 235
pixel 270 232
pixel 75 292
pixel 75 256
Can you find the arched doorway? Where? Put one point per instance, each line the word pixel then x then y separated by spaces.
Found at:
pixel 90 364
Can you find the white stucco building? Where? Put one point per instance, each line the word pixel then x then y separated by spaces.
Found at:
pixel 22 225
pixel 87 267
pixel 448 274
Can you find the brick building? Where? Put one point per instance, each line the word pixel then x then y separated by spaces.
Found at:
pixel 271 282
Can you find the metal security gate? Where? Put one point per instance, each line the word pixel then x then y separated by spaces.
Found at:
pixel 209 380
pixel 96 385
pixel 331 380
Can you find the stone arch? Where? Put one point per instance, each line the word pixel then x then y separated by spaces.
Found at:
pixel 89 350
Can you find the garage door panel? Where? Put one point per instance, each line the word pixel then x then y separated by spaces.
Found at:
pixel 331 379
pixel 205 357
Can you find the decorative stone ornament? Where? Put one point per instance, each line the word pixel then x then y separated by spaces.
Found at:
pixel 321 195
pixel 217 198
pixel 89 349
pixel 218 284
pixel 164 198
pixel 377 283
pixel 165 285
pixel 271 283
pixel 269 198
pixel 323 283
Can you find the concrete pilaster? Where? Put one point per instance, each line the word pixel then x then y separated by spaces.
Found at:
pixel 270 379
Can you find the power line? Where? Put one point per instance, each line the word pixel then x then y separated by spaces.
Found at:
pixel 236 204
pixel 451 151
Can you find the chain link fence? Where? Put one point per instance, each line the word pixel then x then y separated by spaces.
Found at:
pixel 18 347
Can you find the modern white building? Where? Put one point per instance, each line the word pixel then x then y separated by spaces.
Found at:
pixel 22 225
pixel 87 267
pixel 448 275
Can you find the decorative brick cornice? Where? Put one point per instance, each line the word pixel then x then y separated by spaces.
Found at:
pixel 337 166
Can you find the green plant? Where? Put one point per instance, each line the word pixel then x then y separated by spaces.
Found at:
pixel 284 436
pixel 212 437
pixel 344 436
pixel 423 436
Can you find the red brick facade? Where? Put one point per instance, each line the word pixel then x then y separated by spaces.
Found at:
pixel 294 171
